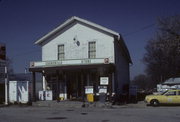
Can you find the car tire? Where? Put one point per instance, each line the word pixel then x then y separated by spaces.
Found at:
pixel 154 102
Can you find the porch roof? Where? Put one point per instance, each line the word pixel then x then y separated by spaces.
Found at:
pixel 71 67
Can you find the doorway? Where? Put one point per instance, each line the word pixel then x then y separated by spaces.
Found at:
pixel 74 85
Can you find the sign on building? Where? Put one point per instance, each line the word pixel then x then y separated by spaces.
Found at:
pixel 89 90
pixel 102 89
pixel 104 80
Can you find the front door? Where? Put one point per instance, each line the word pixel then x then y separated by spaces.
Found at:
pixel 74 85
pixel 178 97
pixel 52 84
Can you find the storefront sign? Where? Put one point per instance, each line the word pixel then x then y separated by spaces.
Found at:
pixel 106 60
pixel 104 80
pixel 86 61
pixel 67 62
pixel 53 63
pixel 89 90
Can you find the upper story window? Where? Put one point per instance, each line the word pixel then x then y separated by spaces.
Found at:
pixel 92 50
pixel 61 53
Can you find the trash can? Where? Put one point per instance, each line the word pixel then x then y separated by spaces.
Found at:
pixel 90 97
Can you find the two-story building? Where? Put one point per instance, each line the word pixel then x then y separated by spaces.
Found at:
pixel 80 53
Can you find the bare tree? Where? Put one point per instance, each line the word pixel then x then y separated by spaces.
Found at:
pixel 140 81
pixel 162 55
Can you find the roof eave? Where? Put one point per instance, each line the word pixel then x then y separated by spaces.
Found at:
pixel 125 49
pixel 53 31
pixel 74 18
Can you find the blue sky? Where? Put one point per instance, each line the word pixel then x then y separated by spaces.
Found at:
pixel 22 22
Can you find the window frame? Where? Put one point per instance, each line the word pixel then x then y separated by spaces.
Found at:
pixel 91 51
pixel 178 93
pixel 169 93
pixel 60 52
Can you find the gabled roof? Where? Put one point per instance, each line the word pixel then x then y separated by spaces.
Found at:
pixel 91 24
pixel 73 19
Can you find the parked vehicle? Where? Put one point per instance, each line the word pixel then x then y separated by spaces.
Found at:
pixel 167 97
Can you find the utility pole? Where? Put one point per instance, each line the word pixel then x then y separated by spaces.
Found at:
pixel 6 85
pixel 3 67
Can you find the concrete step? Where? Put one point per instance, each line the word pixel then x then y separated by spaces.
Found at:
pixel 57 104
pixel 71 104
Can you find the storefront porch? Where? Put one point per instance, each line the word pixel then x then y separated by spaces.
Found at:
pixel 69 81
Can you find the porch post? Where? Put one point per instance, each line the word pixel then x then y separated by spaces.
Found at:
pixel 88 80
pixel 65 86
pixel 34 86
pixel 110 85
pixel 82 86
pixel 44 81
pixel 113 82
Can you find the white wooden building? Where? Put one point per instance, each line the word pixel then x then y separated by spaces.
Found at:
pixel 79 53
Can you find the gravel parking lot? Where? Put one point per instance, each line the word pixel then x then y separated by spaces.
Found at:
pixel 124 113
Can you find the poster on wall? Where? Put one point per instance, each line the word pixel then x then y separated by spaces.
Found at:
pixel 88 89
pixel 104 80
pixel 102 89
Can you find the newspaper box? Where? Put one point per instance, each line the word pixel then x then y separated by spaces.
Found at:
pixel 49 95
pixel 89 91
pixel 45 95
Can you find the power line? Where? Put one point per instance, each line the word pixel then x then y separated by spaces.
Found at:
pixel 142 29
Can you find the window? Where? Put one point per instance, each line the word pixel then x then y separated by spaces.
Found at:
pixel 61 52
pixel 170 93
pixel 178 92
pixel 92 50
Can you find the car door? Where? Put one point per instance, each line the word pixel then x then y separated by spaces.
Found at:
pixel 178 97
pixel 170 97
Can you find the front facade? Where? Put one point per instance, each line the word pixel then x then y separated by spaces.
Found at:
pixel 79 54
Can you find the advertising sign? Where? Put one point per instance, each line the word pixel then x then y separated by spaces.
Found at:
pixel 89 90
pixel 102 89
pixel 67 62
pixel 104 80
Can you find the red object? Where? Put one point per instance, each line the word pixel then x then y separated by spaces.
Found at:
pixel 106 60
